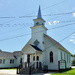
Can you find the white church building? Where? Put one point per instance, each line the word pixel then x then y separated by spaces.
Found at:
pixel 43 51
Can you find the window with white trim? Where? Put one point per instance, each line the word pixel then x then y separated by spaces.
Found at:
pixel 51 57
pixel 11 61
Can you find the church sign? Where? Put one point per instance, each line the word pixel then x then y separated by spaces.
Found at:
pixel 62 64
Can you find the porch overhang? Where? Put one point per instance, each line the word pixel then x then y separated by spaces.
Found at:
pixel 31 49
pixel 36 48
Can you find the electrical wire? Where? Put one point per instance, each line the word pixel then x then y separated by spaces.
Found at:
pixel 29 24
pixel 36 32
pixel 67 13
pixel 42 15
pixel 35 11
pixel 60 40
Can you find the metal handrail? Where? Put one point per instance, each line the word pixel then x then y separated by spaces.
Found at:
pixel 19 68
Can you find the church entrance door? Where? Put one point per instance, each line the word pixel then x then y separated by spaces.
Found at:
pixel 28 59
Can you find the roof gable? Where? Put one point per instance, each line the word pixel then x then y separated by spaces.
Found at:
pixel 57 44
pixel 28 43
pixel 29 49
pixel 17 53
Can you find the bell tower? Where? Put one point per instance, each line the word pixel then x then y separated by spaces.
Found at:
pixel 38 31
pixel 39 20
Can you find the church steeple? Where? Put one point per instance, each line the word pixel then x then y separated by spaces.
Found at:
pixel 39 20
pixel 38 31
pixel 39 13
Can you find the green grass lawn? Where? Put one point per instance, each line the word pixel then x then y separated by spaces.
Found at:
pixel 69 72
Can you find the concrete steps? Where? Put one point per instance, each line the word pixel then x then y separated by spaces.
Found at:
pixel 26 71
pixel 37 71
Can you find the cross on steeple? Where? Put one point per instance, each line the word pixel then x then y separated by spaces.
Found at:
pixel 39 13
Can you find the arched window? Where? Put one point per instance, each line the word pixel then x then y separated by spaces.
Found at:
pixel 51 57
pixel 37 23
pixel 37 58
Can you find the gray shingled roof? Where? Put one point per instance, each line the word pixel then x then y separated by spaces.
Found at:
pixel 57 43
pixel 17 53
pixel 36 48
pixel 10 55
pixel 6 55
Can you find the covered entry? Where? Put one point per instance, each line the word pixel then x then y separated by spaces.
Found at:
pixel 32 57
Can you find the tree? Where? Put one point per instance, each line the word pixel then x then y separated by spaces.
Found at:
pixel 74 55
pixel 0 50
pixel 73 62
pixel 71 55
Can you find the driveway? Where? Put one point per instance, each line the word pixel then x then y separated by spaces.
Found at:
pixel 13 72
pixel 73 66
pixel 2 72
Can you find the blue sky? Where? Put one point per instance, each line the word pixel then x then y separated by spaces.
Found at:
pixel 16 18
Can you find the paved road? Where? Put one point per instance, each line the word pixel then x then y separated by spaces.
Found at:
pixel 13 72
pixel 7 72
pixel 73 66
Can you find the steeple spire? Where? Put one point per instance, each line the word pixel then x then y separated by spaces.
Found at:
pixel 39 20
pixel 39 13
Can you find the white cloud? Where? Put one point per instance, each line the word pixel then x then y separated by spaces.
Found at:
pixel 73 14
pixel 71 40
pixel 49 23
pixel 55 22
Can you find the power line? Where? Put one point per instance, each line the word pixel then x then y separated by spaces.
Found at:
pixel 29 24
pixel 57 22
pixel 42 15
pixel 35 32
pixel 14 25
pixel 60 41
pixel 50 14
pixel 12 30
pixel 54 5
pixel 59 14
pixel 51 45
pixel 48 29
pixel 6 17
pixel 36 11
pixel 62 26
pixel 14 37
